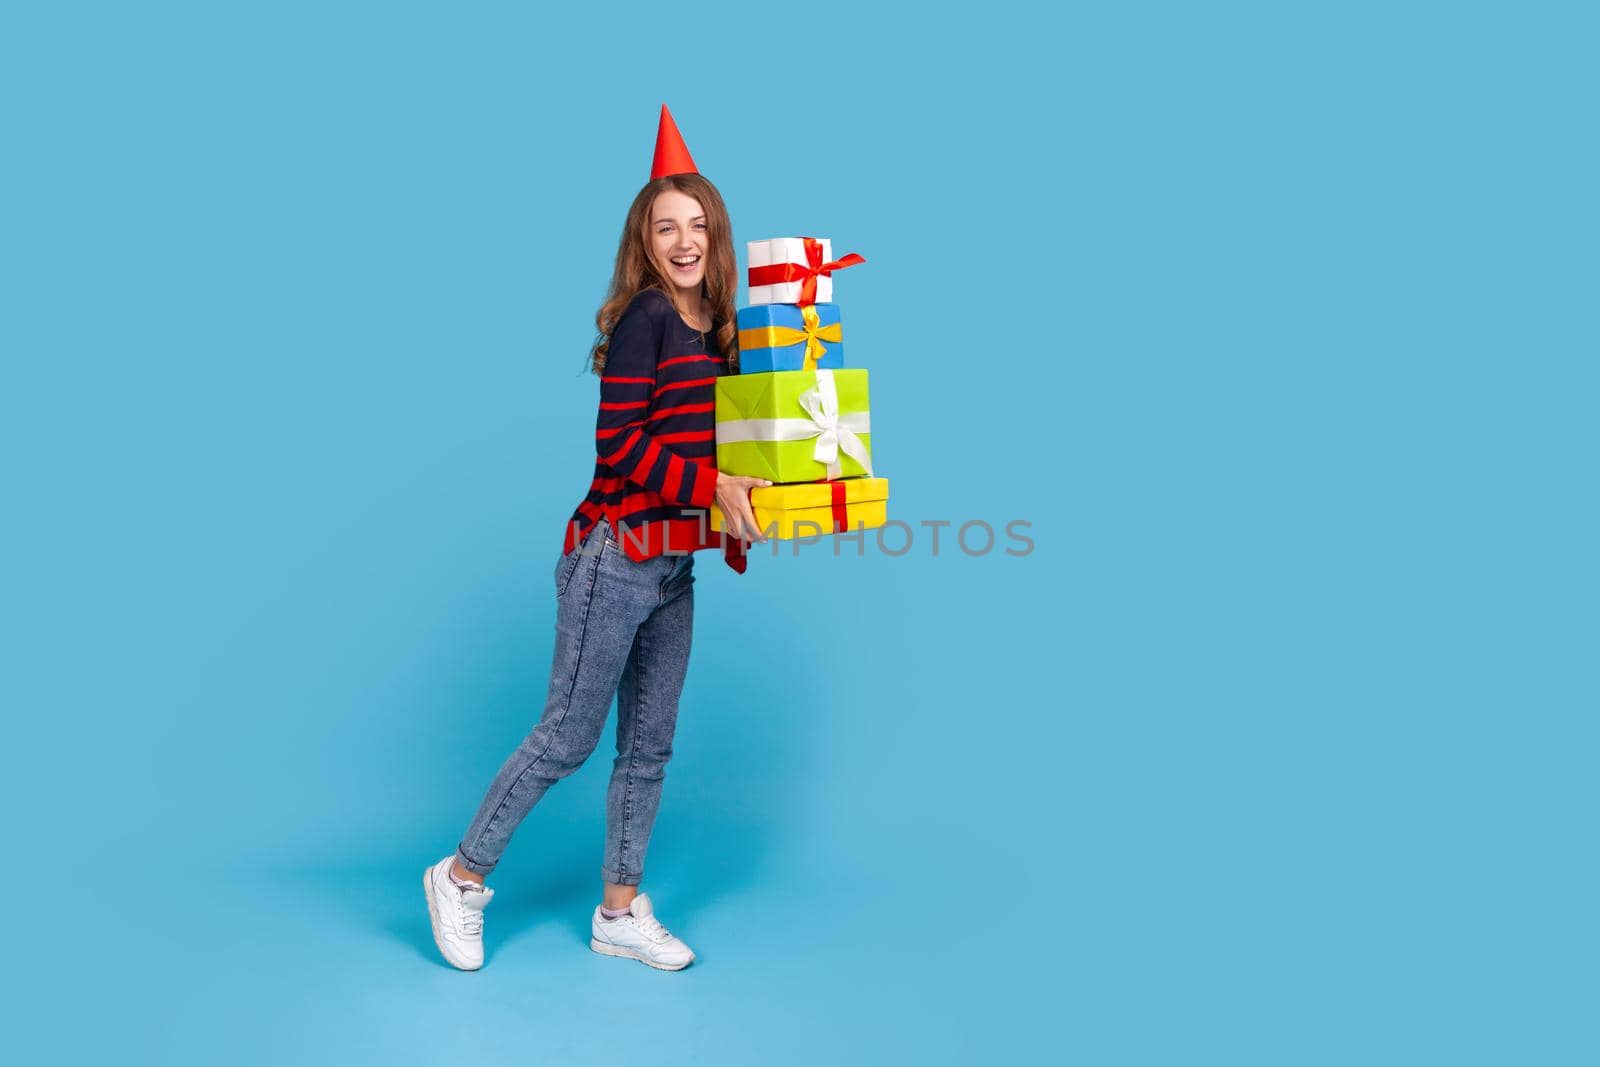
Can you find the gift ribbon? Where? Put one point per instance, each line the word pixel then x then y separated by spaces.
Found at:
pixel 836 504
pixel 812 332
pixel 805 273
pixel 834 432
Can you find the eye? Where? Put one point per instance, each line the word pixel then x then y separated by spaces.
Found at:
pixel 699 225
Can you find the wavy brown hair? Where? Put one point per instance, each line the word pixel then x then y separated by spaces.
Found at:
pixel 636 271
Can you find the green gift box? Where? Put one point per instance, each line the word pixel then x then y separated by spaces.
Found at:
pixel 794 425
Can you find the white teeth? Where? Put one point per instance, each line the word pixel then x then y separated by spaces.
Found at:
pixel 685 261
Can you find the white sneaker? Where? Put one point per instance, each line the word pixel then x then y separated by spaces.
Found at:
pixel 637 935
pixel 457 915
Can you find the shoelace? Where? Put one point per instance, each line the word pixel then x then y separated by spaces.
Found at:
pixel 652 928
pixel 471 918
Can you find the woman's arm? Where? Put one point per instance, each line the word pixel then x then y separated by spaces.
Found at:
pixel 626 390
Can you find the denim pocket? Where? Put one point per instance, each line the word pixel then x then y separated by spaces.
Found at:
pixel 682 568
pixel 594 543
pixel 566 567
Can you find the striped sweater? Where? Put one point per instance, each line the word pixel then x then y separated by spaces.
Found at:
pixel 655 473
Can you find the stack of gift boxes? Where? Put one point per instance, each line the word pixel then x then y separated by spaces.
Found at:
pixel 794 414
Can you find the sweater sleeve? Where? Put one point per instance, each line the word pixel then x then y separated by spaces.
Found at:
pixel 627 389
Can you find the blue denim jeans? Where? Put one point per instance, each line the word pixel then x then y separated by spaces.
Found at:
pixel 622 628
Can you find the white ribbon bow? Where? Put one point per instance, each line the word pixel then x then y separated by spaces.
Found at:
pixel 834 432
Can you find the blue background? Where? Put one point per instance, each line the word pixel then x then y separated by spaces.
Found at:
pixel 1277 325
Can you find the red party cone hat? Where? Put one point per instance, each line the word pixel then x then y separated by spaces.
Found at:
pixel 672 155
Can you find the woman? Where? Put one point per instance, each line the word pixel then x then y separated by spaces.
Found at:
pixel 625 581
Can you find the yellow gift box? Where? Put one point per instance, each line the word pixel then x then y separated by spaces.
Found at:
pixel 810 509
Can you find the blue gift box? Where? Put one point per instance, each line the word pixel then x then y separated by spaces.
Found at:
pixel 774 337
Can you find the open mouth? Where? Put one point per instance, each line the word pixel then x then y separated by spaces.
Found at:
pixel 685 264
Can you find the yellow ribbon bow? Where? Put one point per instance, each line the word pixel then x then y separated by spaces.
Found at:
pixel 812 333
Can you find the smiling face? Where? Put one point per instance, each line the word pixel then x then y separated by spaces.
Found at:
pixel 678 239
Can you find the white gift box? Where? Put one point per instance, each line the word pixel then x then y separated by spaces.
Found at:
pixel 787 250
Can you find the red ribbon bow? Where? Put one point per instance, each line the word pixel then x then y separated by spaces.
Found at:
pixel 805 273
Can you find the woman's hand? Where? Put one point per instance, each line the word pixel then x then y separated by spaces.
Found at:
pixel 734 500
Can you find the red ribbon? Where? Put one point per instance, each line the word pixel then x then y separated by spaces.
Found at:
pixel 841 521
pixel 805 273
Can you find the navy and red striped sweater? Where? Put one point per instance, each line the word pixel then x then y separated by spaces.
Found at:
pixel 655 471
